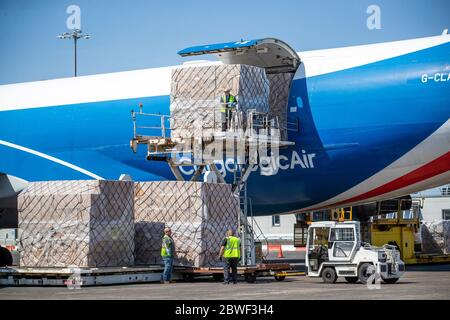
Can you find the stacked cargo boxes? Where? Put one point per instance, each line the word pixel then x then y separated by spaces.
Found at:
pixel 121 223
pixel 77 223
pixel 199 215
pixel 196 91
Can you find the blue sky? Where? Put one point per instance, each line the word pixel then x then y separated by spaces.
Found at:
pixel 139 34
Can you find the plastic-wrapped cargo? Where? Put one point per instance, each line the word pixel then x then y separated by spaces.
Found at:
pixel 436 237
pixel 196 91
pixel 198 213
pixel 76 223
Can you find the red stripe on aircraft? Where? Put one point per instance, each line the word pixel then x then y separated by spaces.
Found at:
pixel 429 170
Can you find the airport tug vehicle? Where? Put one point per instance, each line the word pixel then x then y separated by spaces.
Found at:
pixel 335 249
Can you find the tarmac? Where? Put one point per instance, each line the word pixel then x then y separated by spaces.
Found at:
pixel 419 282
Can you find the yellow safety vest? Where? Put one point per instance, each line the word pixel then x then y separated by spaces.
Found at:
pixel 231 99
pixel 232 249
pixel 166 244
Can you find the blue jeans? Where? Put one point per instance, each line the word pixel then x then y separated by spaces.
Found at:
pixel 230 263
pixel 168 267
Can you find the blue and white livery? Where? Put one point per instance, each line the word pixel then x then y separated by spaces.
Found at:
pixel 374 124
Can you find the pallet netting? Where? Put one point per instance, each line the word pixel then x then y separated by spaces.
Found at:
pixel 279 93
pixel 196 91
pixel 76 223
pixel 199 215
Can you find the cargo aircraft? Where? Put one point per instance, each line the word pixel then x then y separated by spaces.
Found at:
pixel 373 124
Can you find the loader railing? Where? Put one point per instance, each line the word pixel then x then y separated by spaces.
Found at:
pixel 162 124
pixel 148 125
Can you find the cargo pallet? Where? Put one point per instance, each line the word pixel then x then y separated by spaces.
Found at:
pixel 74 277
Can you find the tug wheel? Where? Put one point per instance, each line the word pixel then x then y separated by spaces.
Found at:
pixel 329 275
pixel 365 271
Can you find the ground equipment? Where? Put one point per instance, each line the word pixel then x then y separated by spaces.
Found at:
pixel 335 249
pixel 399 225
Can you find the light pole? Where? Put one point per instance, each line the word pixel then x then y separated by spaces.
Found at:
pixel 75 35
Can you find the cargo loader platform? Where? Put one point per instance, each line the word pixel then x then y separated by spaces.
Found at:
pixel 203 127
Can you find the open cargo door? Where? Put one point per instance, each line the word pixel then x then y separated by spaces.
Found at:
pixel 272 54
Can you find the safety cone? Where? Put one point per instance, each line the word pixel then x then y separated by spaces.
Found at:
pixel 277 248
pixel 280 252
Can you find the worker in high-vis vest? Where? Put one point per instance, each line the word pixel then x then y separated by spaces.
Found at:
pixel 167 254
pixel 231 252
pixel 227 104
